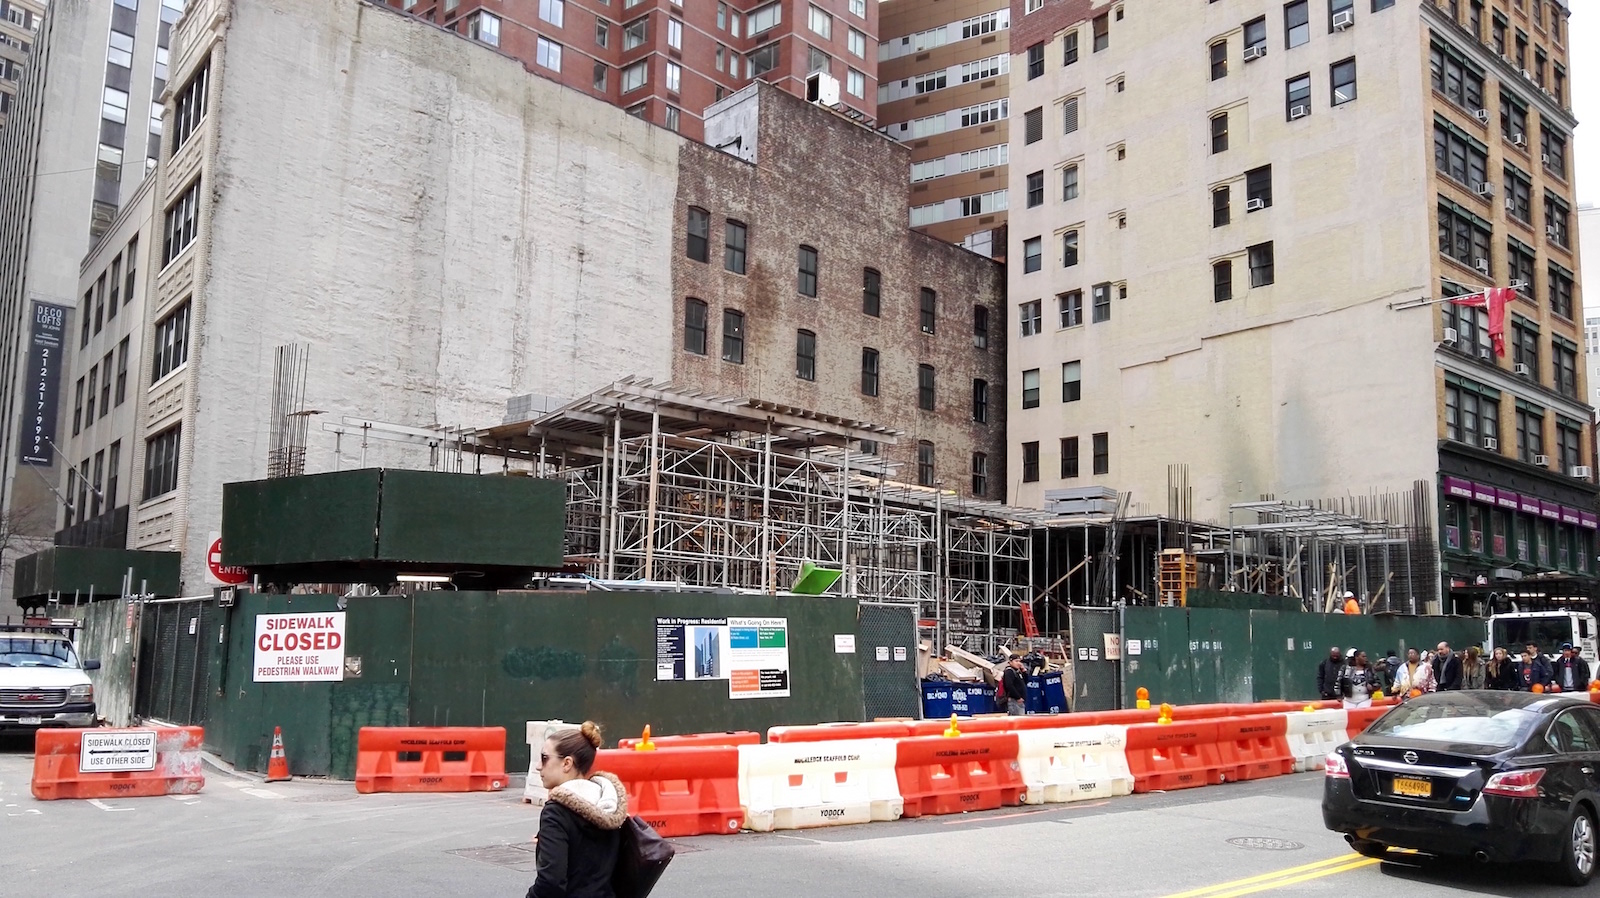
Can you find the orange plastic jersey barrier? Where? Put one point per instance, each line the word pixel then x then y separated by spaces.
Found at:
pixel 1174 756
pixel 680 790
pixel 1256 747
pixel 976 772
pixel 827 732
pixel 431 759
pixel 687 740
pixel 67 765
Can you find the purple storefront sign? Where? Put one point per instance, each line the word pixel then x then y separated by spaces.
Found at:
pixel 1569 515
pixel 1455 486
pixel 1549 510
pixel 1529 506
pixel 1483 493
pixel 1507 499
pixel 1591 521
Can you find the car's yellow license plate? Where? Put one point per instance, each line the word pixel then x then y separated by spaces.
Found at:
pixel 1414 788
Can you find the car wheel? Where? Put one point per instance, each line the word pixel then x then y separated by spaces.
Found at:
pixel 1578 849
pixel 1369 849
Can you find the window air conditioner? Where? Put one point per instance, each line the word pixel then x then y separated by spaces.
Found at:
pixel 1519 139
pixel 1255 52
pixel 1542 461
pixel 1451 335
pixel 1551 232
pixel 1300 111
pixel 1527 74
pixel 1491 444
pixel 1520 369
pixel 1484 188
pixel 1482 115
pixel 1511 205
pixel 1255 204
pixel 1544 158
pixel 1583 472
pixel 1343 20
pixel 1482 265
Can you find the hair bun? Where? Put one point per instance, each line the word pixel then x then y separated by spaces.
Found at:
pixel 591 731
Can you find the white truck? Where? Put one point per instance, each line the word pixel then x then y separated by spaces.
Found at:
pixel 42 681
pixel 1546 629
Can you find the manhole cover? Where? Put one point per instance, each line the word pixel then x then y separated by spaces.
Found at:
pixel 1259 843
pixel 515 857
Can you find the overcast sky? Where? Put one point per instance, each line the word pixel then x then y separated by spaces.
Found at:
pixel 1585 39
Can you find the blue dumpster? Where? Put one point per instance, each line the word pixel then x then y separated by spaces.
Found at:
pixel 936 699
pixel 967 699
pixel 1034 702
pixel 1052 693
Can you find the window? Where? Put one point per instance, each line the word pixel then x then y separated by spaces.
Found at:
pixel 1520 268
pixel 100 304
pixel 181 223
pixel 1030 388
pixel 1069 183
pixel 1296 24
pixel 858 8
pixel 1033 125
pixel 925 463
pixel 113 473
pixel 602 37
pixel 1071 308
pixel 1069 457
pixel 1462 235
pixel 1032 254
pixel 1035 189
pixel 1255 36
pixel 806 279
pixel 1102 302
pixel 855 83
pixel 699 235
pixel 122 371
pixel 105 385
pixel 1219 133
pixel 1498 30
pixel 553 11
pixel 600 70
pixel 1458 155
pixel 820 22
pixel 1102 453
pixel 869 372
pixel 1557 220
pixel 1560 291
pixel 980 475
pixel 88 415
pixel 1569 444
pixel 1472 325
pixel 484 27
pixel 116 288
pixel 636 76
pixel 817 61
pixel 1261 265
pixel 1035 61
pixel 1521 55
pixel 928 306
pixel 1564 365
pixel 694 326
pixel 805 355
pixel 1455 78
pixel 675 34
pixel 119 51
pixel 1222 281
pixel 1030 462
pixel 733 246
pixel 980 327
pixel 88 301
pixel 114 106
pixel 1071 381
pixel 1530 432
pixel 1069 116
pixel 132 255
pixel 77 409
pixel 871 292
pixel 1030 317
pixel 1219 60
pixel 1102 32
pixel 1525 347
pixel 1513 116
pixel 733 336
pixel 763 19
pixel 1069 249
pixel 1475 19
pixel 1519 195
pixel 857 43
pixel 925 387
pixel 161 463
pixel 1069 48
pixel 1297 97
pixel 635 33
pixel 1338 6
pixel 171 343
pixel 549 54
pixel 1343 78
pixel 1471 413
pixel 1221 206
pixel 1258 188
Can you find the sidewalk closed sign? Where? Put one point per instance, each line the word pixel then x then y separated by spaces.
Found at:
pixel 112 752
pixel 299 648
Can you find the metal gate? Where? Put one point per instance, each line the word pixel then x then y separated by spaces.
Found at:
pixel 889 685
pixel 1095 685
pixel 178 639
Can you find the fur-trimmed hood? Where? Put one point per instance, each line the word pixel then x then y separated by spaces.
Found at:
pixel 599 800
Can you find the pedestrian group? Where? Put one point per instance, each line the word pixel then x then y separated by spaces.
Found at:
pixel 1349 675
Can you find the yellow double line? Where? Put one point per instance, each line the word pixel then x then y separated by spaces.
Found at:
pixel 1280 878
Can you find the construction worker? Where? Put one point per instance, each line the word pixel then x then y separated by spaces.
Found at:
pixel 1351 606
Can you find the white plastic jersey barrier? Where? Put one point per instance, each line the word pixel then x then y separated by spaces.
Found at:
pixel 794 785
pixel 538 731
pixel 1312 734
pixel 1074 763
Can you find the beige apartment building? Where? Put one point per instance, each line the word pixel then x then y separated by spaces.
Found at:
pixel 1229 245
pixel 943 87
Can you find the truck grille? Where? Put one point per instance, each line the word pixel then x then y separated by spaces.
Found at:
pixel 32 698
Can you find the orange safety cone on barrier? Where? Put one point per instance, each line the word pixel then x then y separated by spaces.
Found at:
pixel 940 775
pixel 430 759
pixel 277 764
pixel 1252 748
pixel 680 790
pixel 117 763
pixel 1179 755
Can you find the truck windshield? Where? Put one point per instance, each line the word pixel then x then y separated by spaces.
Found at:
pixel 18 651
pixel 1548 633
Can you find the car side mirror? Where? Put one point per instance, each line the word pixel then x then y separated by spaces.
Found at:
pixel 91 665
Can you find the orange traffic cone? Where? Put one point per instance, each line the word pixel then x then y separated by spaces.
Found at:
pixel 277 764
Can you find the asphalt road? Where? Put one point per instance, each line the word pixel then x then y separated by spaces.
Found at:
pixel 242 838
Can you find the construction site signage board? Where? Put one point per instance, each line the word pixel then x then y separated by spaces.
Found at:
pixel 691 648
pixel 758 657
pixel 117 751
pixel 299 648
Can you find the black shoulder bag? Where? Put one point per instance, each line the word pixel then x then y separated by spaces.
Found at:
pixel 642 856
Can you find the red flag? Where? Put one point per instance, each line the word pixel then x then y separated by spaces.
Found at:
pixel 1495 300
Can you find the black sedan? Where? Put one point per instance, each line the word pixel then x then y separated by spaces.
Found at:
pixel 1494 776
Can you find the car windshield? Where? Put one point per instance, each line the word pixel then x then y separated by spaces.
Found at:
pixel 16 651
pixel 1461 723
pixel 1546 632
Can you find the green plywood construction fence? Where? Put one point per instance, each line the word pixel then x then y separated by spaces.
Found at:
pixel 1191 655
pixel 69 571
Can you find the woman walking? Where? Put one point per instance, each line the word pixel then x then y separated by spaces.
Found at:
pixel 1501 672
pixel 579 826
pixel 1474 673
